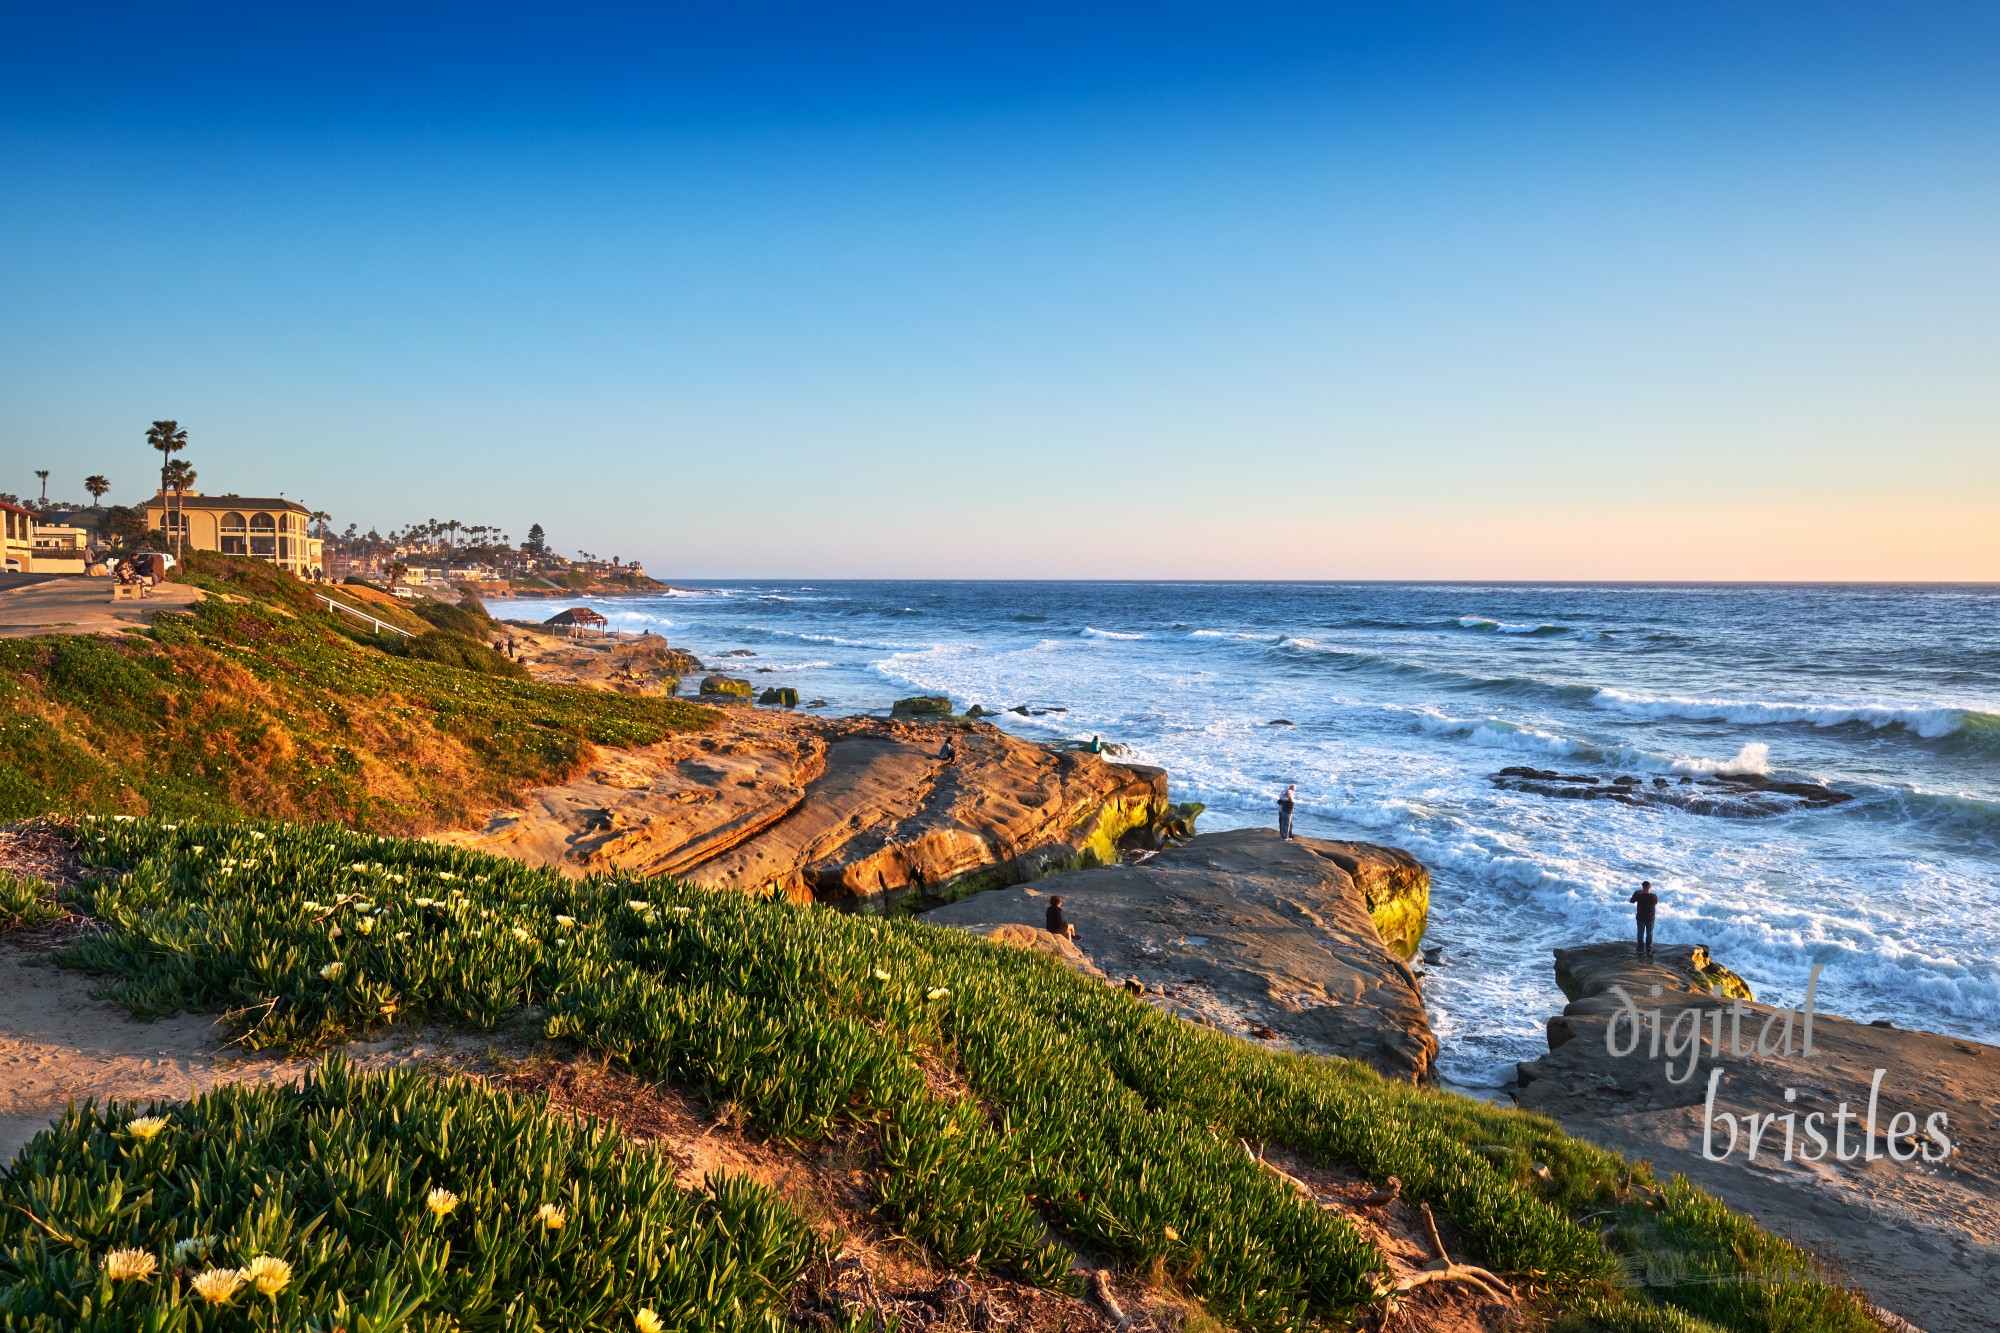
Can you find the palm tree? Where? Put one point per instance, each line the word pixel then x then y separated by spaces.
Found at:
pixel 321 517
pixel 169 439
pixel 179 476
pixel 97 486
pixel 451 526
pixel 43 473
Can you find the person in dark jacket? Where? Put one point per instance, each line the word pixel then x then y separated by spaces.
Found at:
pixel 1648 902
pixel 1285 802
pixel 1058 923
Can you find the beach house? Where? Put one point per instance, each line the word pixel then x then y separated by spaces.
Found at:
pixel 17 538
pixel 274 530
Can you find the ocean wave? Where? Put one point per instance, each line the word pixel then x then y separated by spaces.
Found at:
pixel 1930 721
pixel 1087 632
pixel 1485 626
pixel 1754 759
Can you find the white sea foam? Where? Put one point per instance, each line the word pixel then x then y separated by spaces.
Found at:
pixel 1090 633
pixel 1927 720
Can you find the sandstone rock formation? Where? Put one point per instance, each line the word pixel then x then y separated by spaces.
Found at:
pixel 1922 1238
pixel 856 811
pixel 1266 939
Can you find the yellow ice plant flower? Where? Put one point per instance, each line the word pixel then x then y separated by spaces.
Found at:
pixel 638 904
pixel 268 1274
pixel 522 935
pixel 647 1322
pixel 402 935
pixel 130 1265
pixel 332 971
pixel 218 1286
pixel 311 906
pixel 366 925
pixel 446 874
pixel 191 1248
pixel 146 1126
pixel 440 1202
pixel 562 920
pixel 255 834
pixel 880 975
pixel 551 1217
pixel 937 993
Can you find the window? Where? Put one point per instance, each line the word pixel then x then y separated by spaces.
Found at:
pixel 263 537
pixel 235 534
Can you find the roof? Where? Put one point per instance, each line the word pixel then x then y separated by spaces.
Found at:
pixel 14 508
pixel 576 615
pixel 231 502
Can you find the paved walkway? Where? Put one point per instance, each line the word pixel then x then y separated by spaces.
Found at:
pixel 76 604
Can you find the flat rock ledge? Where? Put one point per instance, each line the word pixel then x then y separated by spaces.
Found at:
pixel 1268 940
pixel 854 811
pixel 1921 1238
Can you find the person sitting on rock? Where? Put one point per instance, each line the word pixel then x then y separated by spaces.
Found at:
pixel 1096 745
pixel 1648 902
pixel 1058 923
pixel 1285 803
pixel 947 752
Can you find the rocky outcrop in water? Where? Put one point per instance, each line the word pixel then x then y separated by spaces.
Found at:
pixel 1270 940
pixel 1729 795
pixel 856 811
pixel 1916 1228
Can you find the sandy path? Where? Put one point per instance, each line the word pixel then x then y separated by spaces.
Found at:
pixel 58 1044
pixel 74 604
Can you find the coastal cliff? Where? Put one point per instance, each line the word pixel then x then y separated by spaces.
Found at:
pixel 855 811
pixel 1916 1234
pixel 1269 940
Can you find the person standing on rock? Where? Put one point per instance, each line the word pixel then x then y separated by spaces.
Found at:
pixel 1648 902
pixel 1285 803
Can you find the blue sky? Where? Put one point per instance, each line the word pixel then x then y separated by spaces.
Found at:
pixel 1317 291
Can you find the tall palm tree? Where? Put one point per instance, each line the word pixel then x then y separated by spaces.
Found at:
pixel 97 486
pixel 452 526
pixel 169 439
pixel 180 476
pixel 321 517
pixel 43 473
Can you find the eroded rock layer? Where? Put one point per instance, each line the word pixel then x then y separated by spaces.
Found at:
pixel 856 811
pixel 1266 939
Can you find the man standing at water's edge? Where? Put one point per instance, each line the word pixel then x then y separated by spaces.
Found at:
pixel 1285 813
pixel 1648 901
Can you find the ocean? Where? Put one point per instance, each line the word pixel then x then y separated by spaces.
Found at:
pixel 1393 707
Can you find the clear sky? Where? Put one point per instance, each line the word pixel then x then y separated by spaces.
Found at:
pixel 1511 289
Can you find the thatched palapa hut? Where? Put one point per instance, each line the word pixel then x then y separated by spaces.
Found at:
pixel 576 618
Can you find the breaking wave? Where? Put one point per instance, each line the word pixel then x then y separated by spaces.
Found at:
pixel 1928 721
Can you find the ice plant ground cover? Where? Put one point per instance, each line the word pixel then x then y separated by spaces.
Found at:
pixel 306 1208
pixel 1088 1119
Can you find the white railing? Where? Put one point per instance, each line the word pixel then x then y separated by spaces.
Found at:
pixel 363 615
